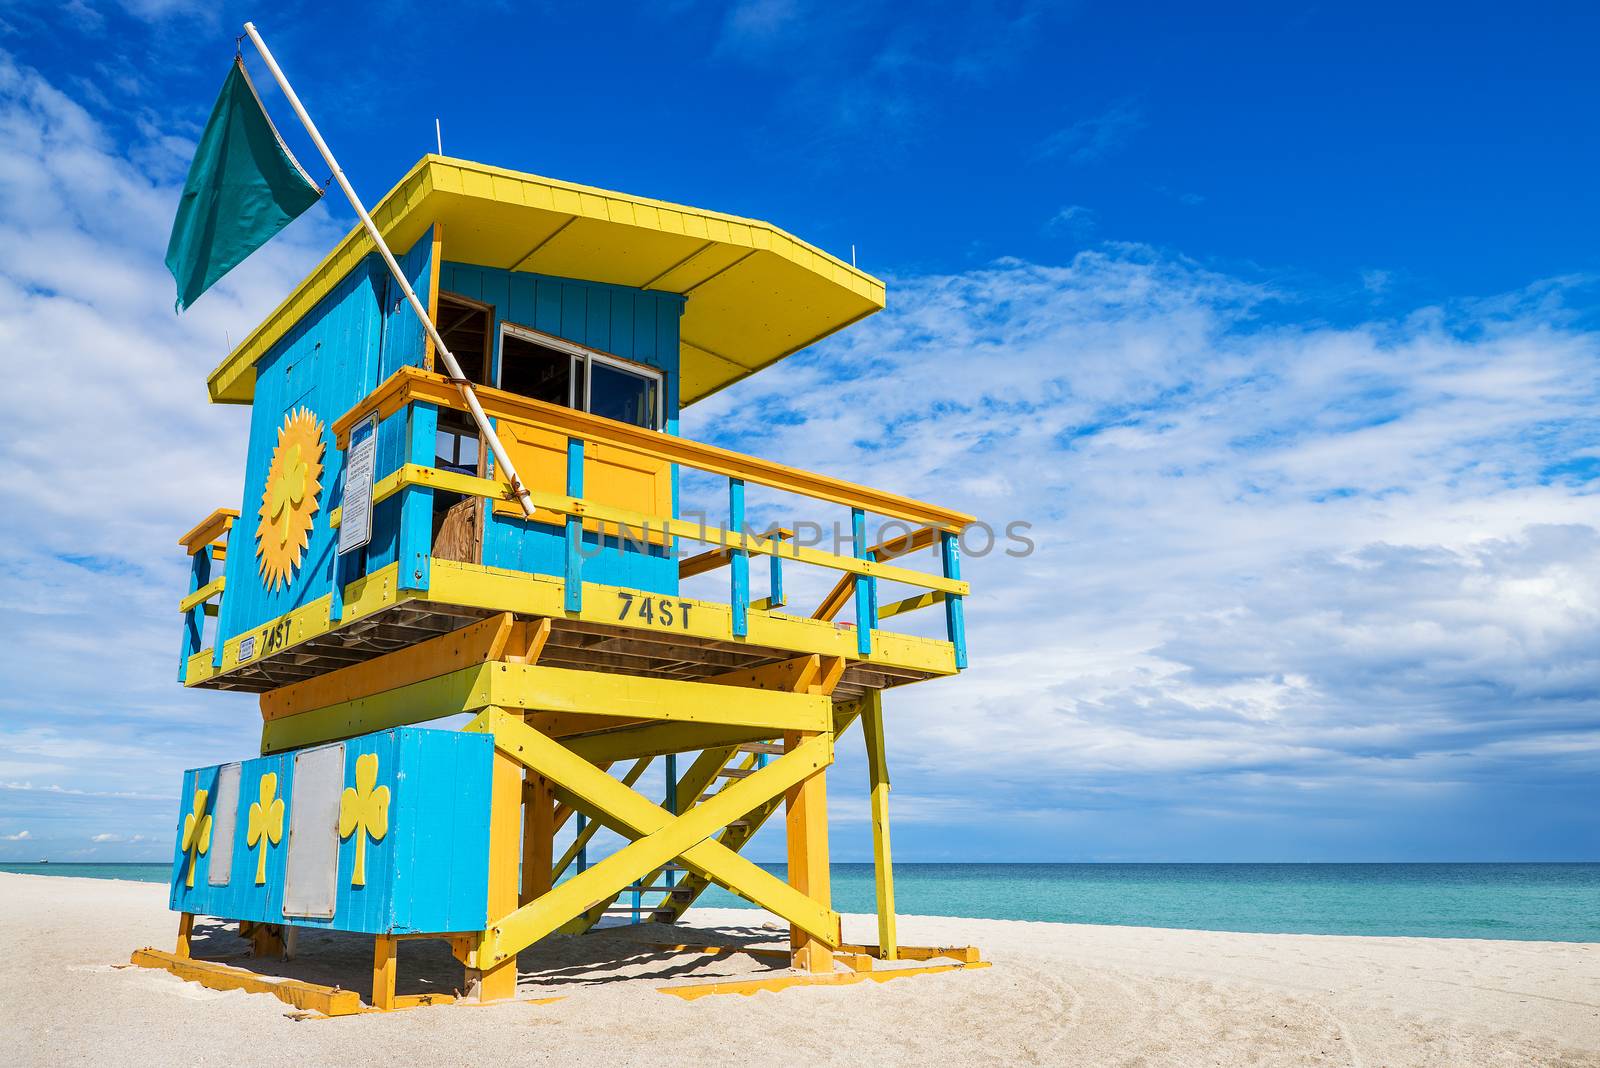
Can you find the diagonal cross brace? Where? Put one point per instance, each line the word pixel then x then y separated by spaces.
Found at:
pixel 660 837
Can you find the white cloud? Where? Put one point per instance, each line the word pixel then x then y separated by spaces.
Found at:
pixel 111 450
pixel 20 836
pixel 1074 219
pixel 1273 559
pixel 1091 139
pixel 1278 565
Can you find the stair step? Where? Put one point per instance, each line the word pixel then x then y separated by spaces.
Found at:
pixel 735 773
pixel 769 748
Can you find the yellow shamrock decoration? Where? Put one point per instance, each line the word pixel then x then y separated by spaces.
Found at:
pixel 290 498
pixel 266 823
pixel 196 833
pixel 364 810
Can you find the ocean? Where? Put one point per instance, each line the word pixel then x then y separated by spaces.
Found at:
pixel 1540 902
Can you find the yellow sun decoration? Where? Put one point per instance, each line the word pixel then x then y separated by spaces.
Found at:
pixel 290 499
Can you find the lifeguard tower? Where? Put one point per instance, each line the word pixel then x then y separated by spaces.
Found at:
pixel 379 574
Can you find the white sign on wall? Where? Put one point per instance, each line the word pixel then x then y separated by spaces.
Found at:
pixel 355 526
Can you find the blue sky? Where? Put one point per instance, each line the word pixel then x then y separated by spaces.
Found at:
pixel 1278 325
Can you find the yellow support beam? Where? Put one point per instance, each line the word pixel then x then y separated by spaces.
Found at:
pixel 892 549
pixel 910 604
pixel 582 838
pixel 497 589
pixel 538 836
pixel 204 593
pixel 658 739
pixel 385 965
pixel 646 854
pixel 963 954
pixel 327 1000
pixel 793 676
pixel 474 644
pixel 709 561
pixel 775 983
pixel 497 980
pixel 807 811
pixel 602 798
pixel 539 688
pixel 882 863
pixel 448 695
pixel 554 689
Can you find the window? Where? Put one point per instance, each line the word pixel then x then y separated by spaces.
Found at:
pixel 546 368
pixel 535 370
pixel 455 448
pixel 464 326
pixel 618 392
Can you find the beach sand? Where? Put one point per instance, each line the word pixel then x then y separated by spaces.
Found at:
pixel 1057 994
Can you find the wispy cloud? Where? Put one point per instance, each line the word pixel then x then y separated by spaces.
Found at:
pixel 758 24
pixel 20 836
pixel 1294 583
pixel 1091 139
pixel 1294 572
pixel 865 75
pixel 1074 219
pixel 110 446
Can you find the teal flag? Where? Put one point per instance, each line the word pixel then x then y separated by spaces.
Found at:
pixel 243 187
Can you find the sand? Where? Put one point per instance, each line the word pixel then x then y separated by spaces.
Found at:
pixel 1057 994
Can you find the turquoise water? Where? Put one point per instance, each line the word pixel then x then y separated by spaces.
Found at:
pixel 1548 902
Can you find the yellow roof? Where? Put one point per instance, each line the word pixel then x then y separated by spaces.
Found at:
pixel 757 294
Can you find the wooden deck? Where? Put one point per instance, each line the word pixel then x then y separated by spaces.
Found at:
pixel 573 643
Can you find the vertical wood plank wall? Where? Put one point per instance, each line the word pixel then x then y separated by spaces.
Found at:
pixel 335 355
pixel 429 872
pixel 360 334
pixel 632 323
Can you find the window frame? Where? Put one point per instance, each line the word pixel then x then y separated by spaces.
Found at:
pixel 585 356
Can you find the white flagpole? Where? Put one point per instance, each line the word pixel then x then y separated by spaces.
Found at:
pixel 502 461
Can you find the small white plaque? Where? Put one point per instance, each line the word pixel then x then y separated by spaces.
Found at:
pixel 355 524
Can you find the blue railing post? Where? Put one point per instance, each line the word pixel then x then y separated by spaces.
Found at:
pixel 740 560
pixel 672 805
pixel 866 588
pixel 583 850
pixel 955 619
pixel 416 502
pixel 194 620
pixel 574 591
pixel 775 581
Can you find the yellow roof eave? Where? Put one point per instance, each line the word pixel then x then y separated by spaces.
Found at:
pixel 756 293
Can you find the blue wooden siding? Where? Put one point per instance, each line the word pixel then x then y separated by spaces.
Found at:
pixel 351 341
pixel 354 339
pixel 632 323
pixel 429 872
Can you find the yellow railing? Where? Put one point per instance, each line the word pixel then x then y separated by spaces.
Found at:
pixel 930 525
pixel 207 546
pixel 412 384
